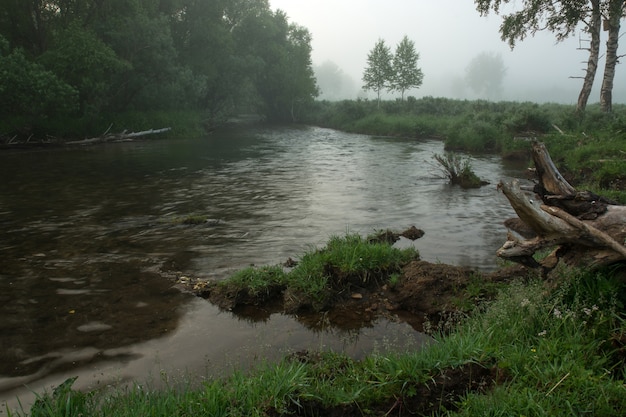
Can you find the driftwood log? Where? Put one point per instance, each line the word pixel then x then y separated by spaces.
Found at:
pixel 117 137
pixel 580 227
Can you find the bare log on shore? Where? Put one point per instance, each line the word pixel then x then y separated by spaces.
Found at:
pixel 117 137
pixel 582 228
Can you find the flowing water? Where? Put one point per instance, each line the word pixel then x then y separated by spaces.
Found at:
pixel 87 234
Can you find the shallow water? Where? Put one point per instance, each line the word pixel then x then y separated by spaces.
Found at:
pixel 88 233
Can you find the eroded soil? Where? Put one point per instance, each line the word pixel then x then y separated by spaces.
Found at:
pixel 426 293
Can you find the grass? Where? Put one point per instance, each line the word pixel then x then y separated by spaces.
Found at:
pixel 346 262
pixel 458 170
pixel 552 348
pixel 262 281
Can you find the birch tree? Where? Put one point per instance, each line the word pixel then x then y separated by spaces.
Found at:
pixel 407 74
pixel 379 72
pixel 563 17
pixel 614 14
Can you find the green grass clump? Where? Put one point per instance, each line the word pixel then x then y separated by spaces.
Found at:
pixel 257 282
pixel 344 264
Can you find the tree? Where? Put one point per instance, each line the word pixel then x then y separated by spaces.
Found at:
pixel 406 73
pixel 614 11
pixel 78 58
pixel 562 17
pixel 379 73
pixel 485 74
pixel 592 27
pixel 30 91
pixel 86 63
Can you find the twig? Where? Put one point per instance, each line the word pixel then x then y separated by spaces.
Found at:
pixel 557 128
pixel 107 131
pixel 557 384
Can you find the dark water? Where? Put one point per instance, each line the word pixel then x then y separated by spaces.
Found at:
pixel 88 234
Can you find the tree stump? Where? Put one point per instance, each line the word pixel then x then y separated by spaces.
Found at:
pixel 581 228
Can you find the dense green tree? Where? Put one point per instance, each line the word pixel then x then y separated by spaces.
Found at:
pixel 25 24
pixel 30 91
pixel 281 57
pixel 86 63
pixel 216 56
pixel 379 73
pixel 407 74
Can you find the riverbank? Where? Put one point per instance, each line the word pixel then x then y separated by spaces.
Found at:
pixel 541 347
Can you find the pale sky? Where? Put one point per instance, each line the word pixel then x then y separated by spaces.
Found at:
pixel 447 35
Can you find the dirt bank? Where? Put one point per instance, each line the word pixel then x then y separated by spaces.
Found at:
pixel 425 295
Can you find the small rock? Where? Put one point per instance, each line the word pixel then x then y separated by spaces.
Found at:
pixel 357 296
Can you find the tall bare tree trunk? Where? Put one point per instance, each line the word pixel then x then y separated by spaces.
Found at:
pixel 615 11
pixel 593 28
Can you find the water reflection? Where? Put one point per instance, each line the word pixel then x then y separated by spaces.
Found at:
pixel 90 236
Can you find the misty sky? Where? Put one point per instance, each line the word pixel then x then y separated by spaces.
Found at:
pixel 447 35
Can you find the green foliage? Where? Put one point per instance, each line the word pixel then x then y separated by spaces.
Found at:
pixel 63 401
pixel 82 58
pixel 394 72
pixel 257 281
pixel 86 63
pixel 345 262
pixel 407 75
pixel 561 18
pixel 458 170
pixel 473 133
pixel 379 73
pixel 31 91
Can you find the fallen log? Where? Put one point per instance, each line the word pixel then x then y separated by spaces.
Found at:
pixel 117 137
pixel 582 228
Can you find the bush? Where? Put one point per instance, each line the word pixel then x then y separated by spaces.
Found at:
pixel 458 170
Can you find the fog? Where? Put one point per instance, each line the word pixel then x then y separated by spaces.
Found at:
pixel 448 34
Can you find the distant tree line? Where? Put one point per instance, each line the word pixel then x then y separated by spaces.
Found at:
pixel 563 17
pixel 78 58
pixel 392 71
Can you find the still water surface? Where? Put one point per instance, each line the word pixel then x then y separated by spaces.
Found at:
pixel 88 233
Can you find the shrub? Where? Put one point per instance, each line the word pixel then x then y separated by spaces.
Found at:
pixel 458 170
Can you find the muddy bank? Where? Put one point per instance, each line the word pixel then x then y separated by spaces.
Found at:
pixel 425 295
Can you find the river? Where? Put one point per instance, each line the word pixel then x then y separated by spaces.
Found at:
pixel 89 232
